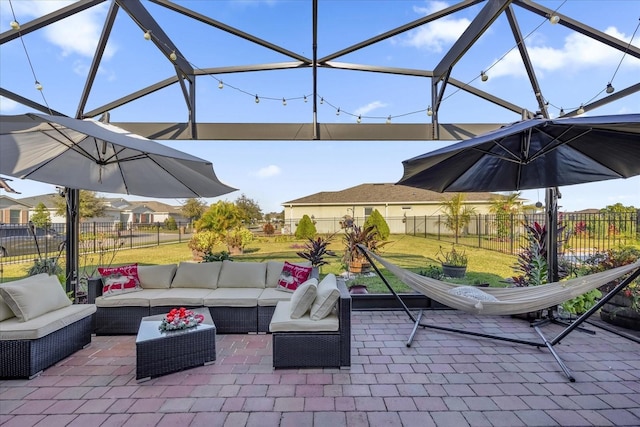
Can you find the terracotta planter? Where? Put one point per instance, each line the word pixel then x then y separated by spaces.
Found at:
pixel 618 311
pixel 453 270
pixel 359 267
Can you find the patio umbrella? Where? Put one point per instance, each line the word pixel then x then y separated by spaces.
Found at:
pixel 90 155
pixel 536 153
pixel 97 156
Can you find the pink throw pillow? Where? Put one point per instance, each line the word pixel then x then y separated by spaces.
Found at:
pixel 292 276
pixel 119 280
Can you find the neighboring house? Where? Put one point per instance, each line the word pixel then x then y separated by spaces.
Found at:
pixel 13 211
pixel 394 202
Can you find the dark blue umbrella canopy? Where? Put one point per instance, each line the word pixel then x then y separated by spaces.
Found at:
pixel 536 153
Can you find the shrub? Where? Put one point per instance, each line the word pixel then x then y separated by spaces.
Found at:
pixel 170 223
pixel 306 229
pixel 268 229
pixel 376 220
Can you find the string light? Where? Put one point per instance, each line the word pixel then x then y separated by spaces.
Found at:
pixel 14 25
pixel 554 19
pixel 321 100
pixel 429 111
pixel 483 76
pixel 173 56
pixel 305 98
pixel 147 35
pixel 580 110
pixel 388 119
pixel 38 85
pixel 338 111
pixel 220 85
pixel 359 120
pixel 610 89
pixel 284 102
pixel 561 111
pixel 257 99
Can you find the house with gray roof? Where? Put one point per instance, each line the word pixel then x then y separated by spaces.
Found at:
pixel 394 202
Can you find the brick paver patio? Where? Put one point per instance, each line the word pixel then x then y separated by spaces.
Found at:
pixel 443 379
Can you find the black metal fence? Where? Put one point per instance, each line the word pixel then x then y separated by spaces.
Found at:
pixel 17 244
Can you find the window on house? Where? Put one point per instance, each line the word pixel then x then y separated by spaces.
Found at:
pixel 367 213
pixel 15 216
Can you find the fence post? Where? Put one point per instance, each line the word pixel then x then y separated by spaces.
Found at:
pixel 158 233
pixel 513 234
pixel 478 222
pixel 95 236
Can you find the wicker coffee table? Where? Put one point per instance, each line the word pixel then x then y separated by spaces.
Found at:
pixel 162 352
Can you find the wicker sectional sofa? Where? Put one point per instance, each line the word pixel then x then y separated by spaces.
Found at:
pixel 39 326
pixel 241 297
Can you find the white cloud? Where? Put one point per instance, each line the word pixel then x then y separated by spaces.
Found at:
pixel 369 108
pixel 77 34
pixel 269 171
pixel 577 53
pixel 7 105
pixel 434 36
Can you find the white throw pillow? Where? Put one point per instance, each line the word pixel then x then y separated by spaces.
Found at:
pixel 302 298
pixel 472 292
pixel 34 296
pixel 197 275
pixel 326 297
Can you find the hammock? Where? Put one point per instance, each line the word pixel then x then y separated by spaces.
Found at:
pixel 510 300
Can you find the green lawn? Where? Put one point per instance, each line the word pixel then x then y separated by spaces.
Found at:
pixel 410 252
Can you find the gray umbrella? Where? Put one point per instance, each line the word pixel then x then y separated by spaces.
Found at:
pixel 97 156
pixel 536 153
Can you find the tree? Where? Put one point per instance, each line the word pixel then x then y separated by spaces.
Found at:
pixel 275 217
pixel 504 208
pixel 379 223
pixel 193 209
pixel 619 217
pixel 306 228
pixel 457 214
pixel 249 209
pixel 41 217
pixel 220 218
pixel 91 206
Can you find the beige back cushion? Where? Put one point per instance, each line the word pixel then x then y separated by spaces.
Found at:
pixel 5 311
pixel 303 297
pixel 34 296
pixel 197 275
pixel 242 274
pixel 156 276
pixel 327 296
pixel 274 269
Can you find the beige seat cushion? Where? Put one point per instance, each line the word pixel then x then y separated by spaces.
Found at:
pixel 233 297
pixel 302 298
pixel 14 329
pixel 271 296
pixel 197 275
pixel 326 298
pixel 282 321
pixel 34 296
pixel 274 269
pixel 242 274
pixel 180 297
pixel 132 299
pixel 156 276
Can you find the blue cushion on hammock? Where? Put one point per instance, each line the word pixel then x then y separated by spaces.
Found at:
pixel 472 292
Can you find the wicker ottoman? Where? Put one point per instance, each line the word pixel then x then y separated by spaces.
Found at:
pixel 159 353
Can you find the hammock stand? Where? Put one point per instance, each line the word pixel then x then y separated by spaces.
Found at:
pixel 549 344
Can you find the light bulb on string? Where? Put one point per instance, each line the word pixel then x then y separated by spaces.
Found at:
pixel 429 111
pixel 14 25
pixel 147 35
pixel 338 111
pixel 561 111
pixel 554 19
pixel 483 76
pixel 305 98
pixel 173 56
pixel 220 85
pixel 610 88
pixel 580 110
pixel 388 119
pixel 359 119
pixel 284 102
pixel 257 99
pixel 38 85
pixel 321 100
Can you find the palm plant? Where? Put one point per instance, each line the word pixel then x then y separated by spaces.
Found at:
pixel 457 214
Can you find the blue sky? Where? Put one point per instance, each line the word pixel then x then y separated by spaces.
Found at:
pixel 571 69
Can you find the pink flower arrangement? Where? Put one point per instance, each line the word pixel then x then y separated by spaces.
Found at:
pixel 180 318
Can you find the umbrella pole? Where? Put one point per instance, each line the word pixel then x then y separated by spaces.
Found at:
pixel 551 203
pixel 72 197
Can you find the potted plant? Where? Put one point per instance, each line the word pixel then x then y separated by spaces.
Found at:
pixel 315 251
pixel 454 263
pixel 366 236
